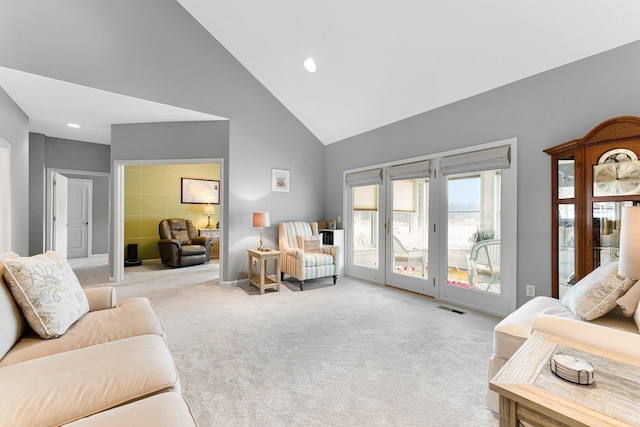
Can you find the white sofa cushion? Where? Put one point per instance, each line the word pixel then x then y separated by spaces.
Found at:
pixel 67 386
pixel 160 410
pixel 595 294
pixel 12 322
pixel 47 291
pixel 133 317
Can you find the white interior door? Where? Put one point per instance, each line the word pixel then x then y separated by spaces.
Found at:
pixel 60 200
pixel 78 217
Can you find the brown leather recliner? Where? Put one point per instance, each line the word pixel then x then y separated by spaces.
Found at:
pixel 179 246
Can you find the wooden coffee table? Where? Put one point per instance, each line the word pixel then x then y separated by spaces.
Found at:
pixel 531 393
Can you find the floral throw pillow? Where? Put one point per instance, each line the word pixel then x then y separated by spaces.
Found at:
pixel 47 291
pixel 596 294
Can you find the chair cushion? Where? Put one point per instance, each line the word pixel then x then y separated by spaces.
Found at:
pixel 187 250
pixel 180 235
pixel 317 259
pixel 295 229
pixel 12 322
pixel 47 291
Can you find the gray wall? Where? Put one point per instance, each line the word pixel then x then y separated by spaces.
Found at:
pixel 14 129
pixel 175 141
pixel 541 111
pixel 57 153
pixel 173 60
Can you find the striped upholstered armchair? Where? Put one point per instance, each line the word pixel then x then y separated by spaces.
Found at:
pixel 303 255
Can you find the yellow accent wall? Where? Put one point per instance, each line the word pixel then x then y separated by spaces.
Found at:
pixel 152 193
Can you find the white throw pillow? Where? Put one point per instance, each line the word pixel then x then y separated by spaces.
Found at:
pixel 596 294
pixel 630 300
pixel 310 243
pixel 47 291
pixel 12 323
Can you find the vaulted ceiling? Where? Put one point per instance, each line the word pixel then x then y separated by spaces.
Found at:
pixel 380 61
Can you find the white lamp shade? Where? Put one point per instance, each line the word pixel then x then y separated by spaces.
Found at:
pixel 629 262
pixel 261 219
pixel 209 209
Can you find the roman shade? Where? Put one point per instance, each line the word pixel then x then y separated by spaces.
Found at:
pixel 476 161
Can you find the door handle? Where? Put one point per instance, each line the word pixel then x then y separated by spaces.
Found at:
pixel 387 225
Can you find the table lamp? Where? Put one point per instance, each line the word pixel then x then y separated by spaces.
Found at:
pixel 629 262
pixel 261 219
pixel 208 211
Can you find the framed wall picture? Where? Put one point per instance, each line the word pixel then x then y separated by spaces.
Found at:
pixel 200 191
pixel 280 180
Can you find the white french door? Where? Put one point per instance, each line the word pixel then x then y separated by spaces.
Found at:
pixel 365 240
pixel 478 213
pixel 407 227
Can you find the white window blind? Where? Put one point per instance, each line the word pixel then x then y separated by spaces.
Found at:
pixel 404 195
pixel 365 186
pixel 410 170
pixel 476 161
pixel 365 198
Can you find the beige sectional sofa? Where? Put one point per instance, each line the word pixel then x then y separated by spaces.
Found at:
pixel 599 312
pixel 110 367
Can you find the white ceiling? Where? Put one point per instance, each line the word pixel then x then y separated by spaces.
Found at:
pixel 51 104
pixel 380 61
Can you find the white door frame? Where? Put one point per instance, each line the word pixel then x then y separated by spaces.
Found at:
pixel 509 213
pixel 5 195
pixel 116 264
pixel 89 209
pixel 49 197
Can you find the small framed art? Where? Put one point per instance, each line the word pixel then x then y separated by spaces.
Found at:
pixel 200 191
pixel 280 180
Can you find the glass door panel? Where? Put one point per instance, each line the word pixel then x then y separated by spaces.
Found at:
pixel 365 226
pixel 473 231
pixel 566 248
pixel 409 233
pixel 566 178
pixel 606 231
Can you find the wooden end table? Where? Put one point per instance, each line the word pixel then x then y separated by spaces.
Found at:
pixel 263 280
pixel 531 393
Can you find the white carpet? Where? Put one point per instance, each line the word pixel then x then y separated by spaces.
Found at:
pixel 354 354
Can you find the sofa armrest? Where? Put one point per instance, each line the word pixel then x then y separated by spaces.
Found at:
pixel 614 340
pixel 101 298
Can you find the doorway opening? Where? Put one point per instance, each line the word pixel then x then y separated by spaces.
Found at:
pixel 120 209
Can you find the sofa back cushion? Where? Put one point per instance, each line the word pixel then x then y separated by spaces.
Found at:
pixel 12 322
pixel 48 292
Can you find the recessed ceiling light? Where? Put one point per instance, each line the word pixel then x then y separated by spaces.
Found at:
pixel 73 125
pixel 310 65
